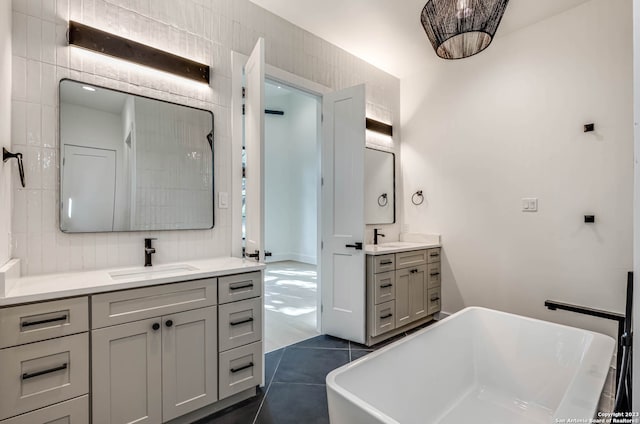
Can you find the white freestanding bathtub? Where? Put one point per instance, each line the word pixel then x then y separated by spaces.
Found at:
pixel 477 366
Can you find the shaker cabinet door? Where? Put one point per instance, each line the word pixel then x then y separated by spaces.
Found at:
pixel 126 370
pixel 189 361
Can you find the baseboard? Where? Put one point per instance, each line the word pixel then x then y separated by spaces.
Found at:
pixel 214 407
pixel 296 257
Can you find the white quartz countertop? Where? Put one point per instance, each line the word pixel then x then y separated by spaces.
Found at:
pixel 52 286
pixel 398 246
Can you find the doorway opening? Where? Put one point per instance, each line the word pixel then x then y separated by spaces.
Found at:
pixel 292 170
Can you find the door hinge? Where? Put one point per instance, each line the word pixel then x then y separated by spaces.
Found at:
pixel 321 308
pixel 243 109
pixel 321 181
pixel 322 117
pixel 63 161
pixel 244 92
pixel 244 172
pixel 321 245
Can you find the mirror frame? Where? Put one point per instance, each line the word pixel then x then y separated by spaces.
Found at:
pixel 59 162
pixel 395 214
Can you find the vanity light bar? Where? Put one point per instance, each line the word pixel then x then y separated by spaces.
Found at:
pixel 99 41
pixel 380 127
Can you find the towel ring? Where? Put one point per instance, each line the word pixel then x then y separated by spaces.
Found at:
pixel 417 198
pixel 382 200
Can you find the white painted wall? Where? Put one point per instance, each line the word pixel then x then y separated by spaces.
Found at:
pixel 636 205
pixel 291 172
pixel 5 130
pixel 204 30
pixel 481 133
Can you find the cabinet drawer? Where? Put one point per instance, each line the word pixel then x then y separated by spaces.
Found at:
pixel 43 373
pixel 384 263
pixel 384 287
pixel 240 369
pixel 240 323
pixel 384 318
pixel 239 287
pixel 433 255
pixel 433 275
pixel 137 304
pixel 411 258
pixel 74 411
pixel 433 298
pixel 41 321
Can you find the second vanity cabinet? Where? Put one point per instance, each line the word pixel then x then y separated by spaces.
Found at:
pixel 403 291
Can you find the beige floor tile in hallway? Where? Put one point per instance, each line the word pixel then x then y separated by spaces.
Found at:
pixel 290 301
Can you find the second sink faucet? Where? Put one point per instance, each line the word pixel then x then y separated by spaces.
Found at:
pixel 148 251
pixel 376 234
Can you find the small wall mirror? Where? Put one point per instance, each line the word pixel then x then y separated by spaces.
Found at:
pixel 380 194
pixel 131 163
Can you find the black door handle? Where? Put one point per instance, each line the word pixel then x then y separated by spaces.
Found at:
pixel 356 245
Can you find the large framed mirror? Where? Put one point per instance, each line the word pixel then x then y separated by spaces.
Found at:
pixel 380 187
pixel 132 163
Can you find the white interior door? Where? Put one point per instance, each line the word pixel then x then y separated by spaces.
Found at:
pixel 89 187
pixel 254 142
pixel 343 274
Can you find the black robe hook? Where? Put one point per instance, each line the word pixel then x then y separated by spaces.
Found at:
pixel 6 155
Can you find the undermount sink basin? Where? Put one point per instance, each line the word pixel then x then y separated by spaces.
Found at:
pixel 393 244
pixel 151 271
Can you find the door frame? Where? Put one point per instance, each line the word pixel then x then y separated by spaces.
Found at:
pixel 275 74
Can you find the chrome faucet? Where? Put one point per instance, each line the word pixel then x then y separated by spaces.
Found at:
pixel 376 234
pixel 148 251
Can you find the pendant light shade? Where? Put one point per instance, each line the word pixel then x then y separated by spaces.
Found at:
pixel 461 28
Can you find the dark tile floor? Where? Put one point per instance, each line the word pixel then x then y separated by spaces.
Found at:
pixel 294 390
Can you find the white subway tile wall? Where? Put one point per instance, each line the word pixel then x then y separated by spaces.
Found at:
pixel 203 30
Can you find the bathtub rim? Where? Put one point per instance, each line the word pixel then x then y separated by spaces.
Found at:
pixel 599 342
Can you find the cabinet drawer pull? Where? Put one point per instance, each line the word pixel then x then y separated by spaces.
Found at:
pixel 386 263
pixel 27 376
pixel 244 367
pixel 433 299
pixel 43 321
pixel 433 255
pixel 386 316
pixel 244 321
pixel 244 286
pixel 435 274
pixel 384 286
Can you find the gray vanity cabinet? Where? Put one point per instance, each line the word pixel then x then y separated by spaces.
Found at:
pixel 403 291
pixel 159 368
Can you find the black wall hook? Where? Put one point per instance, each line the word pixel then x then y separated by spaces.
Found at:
pixel 6 155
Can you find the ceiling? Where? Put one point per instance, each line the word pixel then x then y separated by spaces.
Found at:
pixel 100 99
pixel 388 33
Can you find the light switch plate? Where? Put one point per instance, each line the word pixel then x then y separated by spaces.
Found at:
pixel 223 200
pixel 529 204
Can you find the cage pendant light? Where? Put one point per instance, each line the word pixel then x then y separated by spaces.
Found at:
pixel 461 28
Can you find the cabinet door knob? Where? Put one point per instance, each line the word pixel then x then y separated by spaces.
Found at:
pixel 169 323
pixel 155 326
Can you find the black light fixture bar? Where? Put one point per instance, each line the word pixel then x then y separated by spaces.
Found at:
pixel 380 127
pixel 99 41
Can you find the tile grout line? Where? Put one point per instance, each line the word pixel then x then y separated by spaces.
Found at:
pixel 275 370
